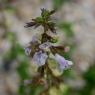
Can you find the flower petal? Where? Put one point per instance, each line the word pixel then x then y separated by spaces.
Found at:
pixel 27 51
pixel 70 63
pixel 31 47
pixel 39 58
pixel 45 45
pixel 63 64
pixel 34 39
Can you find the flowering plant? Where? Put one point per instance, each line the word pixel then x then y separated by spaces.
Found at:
pixel 41 51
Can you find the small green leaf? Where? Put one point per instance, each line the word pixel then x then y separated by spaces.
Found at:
pixel 45 13
pixel 54 40
pixel 39 19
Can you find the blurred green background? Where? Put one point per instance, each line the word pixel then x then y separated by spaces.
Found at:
pixel 75 21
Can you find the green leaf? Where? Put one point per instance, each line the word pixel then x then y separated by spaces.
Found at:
pixel 54 40
pixel 39 19
pixel 45 13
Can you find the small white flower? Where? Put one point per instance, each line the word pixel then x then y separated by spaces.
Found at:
pixel 40 58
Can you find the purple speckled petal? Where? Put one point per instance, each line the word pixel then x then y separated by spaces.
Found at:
pixel 39 58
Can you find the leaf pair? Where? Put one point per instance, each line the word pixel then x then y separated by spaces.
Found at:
pixel 44 20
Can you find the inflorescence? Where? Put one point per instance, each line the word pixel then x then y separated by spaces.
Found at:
pixel 42 50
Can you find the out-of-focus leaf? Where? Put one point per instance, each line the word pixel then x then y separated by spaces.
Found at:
pixel 61 90
pixel 22 88
pixel 38 89
pixel 64 89
pixel 8 8
pixel 58 3
pixel 54 91
pixel 23 70
pixel 90 76
pixel 11 36
pixel 19 49
pixel 35 90
pixel 67 28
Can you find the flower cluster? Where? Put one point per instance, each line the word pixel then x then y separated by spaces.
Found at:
pixel 40 50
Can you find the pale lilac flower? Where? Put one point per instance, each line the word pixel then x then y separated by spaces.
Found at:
pixel 45 45
pixel 34 39
pixel 40 58
pixel 63 63
pixel 27 51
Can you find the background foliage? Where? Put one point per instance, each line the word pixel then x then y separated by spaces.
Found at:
pixel 15 57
